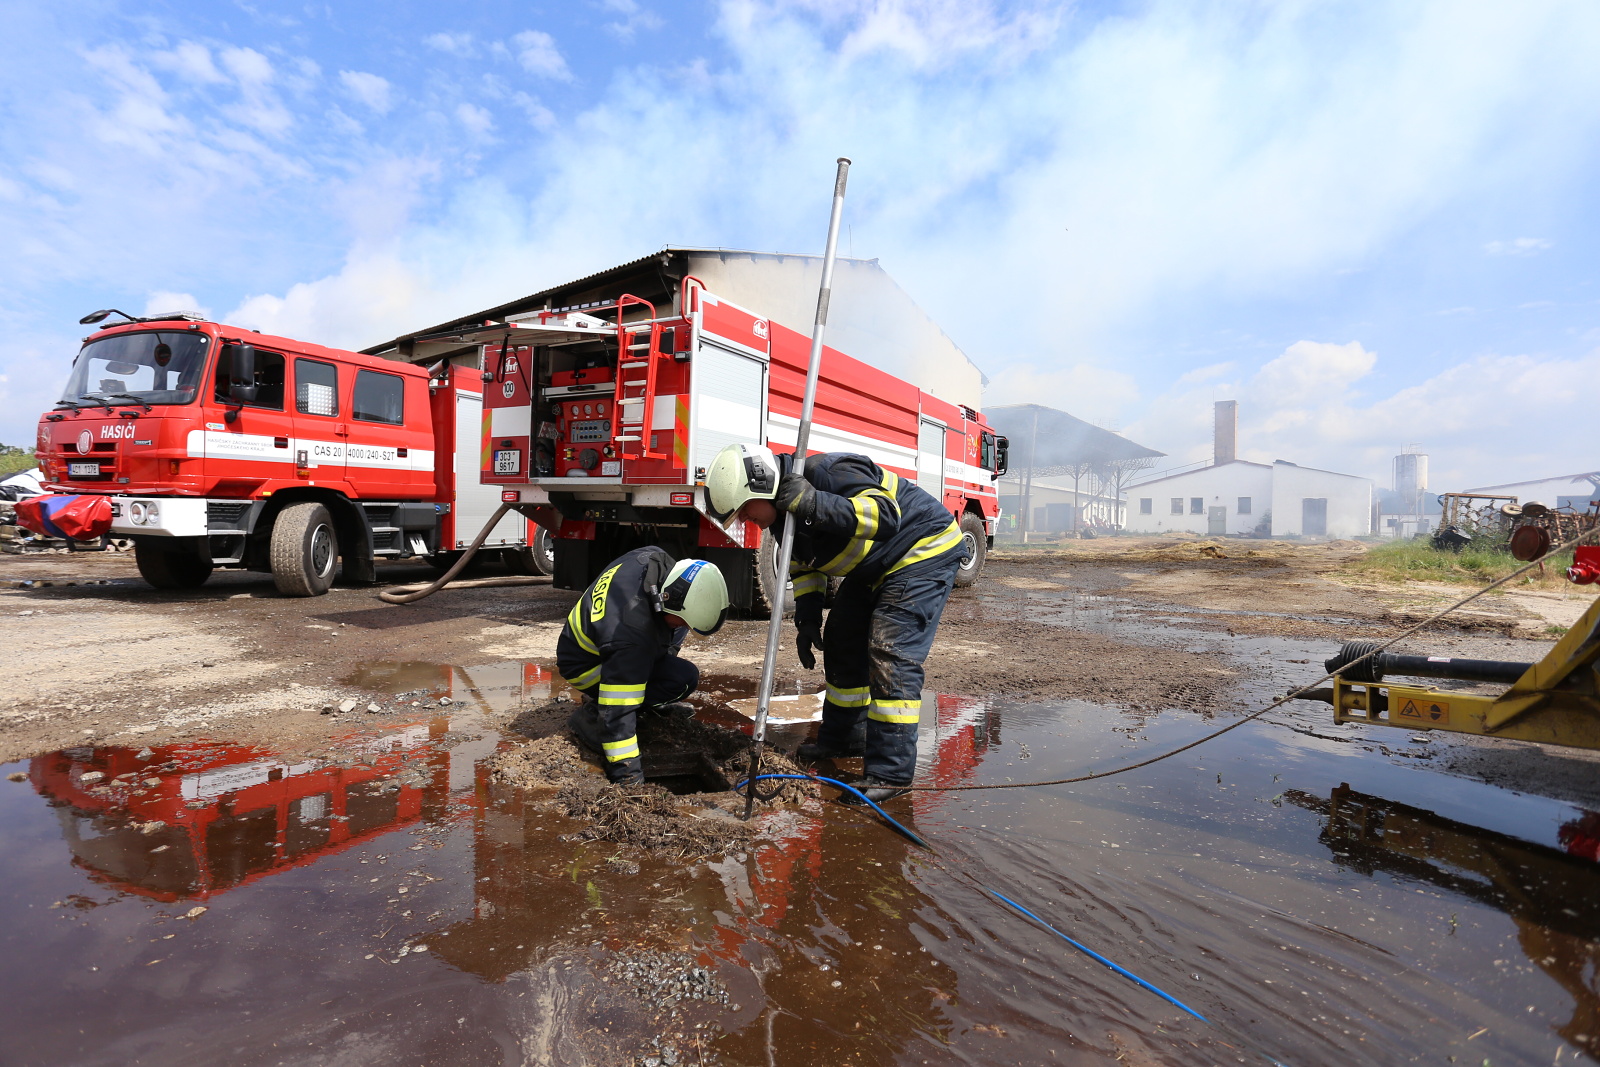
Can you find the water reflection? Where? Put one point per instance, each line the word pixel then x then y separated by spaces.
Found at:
pixel 1552 895
pixel 186 821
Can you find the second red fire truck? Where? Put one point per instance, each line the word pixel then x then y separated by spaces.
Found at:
pixel 600 420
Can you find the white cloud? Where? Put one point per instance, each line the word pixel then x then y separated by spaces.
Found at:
pixel 1097 394
pixel 635 17
pixel 369 89
pixel 1313 405
pixel 456 44
pixel 541 117
pixel 162 301
pixel 474 118
pixel 191 61
pixel 538 54
pixel 1521 246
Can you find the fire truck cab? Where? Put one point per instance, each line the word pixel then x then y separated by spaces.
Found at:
pixel 220 446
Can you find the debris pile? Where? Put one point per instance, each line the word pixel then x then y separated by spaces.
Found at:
pixel 650 817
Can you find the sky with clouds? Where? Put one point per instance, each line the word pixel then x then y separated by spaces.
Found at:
pixel 1373 224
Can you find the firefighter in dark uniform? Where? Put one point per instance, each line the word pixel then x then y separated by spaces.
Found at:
pixel 620 647
pixel 897 549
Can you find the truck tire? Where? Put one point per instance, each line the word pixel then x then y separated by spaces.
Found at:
pixel 183 569
pixel 766 587
pixel 536 558
pixel 305 550
pixel 976 542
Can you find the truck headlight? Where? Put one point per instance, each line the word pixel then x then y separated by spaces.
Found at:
pixel 137 512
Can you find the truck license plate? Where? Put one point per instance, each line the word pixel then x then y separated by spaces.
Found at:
pixel 83 470
pixel 506 462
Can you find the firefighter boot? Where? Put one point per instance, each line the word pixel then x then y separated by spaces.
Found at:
pixel 875 790
pixel 584 723
pixel 854 746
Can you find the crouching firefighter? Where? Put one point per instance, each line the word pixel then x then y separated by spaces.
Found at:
pixel 620 646
pixel 897 549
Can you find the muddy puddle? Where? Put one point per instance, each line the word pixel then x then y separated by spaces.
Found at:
pixel 389 901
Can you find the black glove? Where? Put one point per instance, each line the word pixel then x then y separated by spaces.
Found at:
pixel 796 496
pixel 808 635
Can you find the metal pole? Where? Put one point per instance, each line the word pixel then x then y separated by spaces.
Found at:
pixel 802 439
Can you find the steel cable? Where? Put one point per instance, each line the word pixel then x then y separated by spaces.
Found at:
pixel 1278 703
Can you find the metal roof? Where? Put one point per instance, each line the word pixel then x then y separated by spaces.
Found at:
pixel 537 300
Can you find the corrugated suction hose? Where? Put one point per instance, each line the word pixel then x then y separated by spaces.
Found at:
pixel 410 594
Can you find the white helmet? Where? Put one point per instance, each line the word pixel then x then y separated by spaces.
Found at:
pixel 696 593
pixel 738 474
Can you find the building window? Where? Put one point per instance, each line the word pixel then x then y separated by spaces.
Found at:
pixel 1197 505
pixel 1146 505
pixel 1244 505
pixel 1177 505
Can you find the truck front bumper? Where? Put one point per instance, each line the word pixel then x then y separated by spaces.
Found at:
pixel 158 516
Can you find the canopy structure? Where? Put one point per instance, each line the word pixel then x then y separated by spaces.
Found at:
pixel 1048 446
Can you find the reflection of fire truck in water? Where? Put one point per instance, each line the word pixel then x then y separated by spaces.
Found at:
pixel 188 821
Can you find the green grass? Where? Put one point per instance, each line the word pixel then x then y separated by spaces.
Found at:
pixel 1419 561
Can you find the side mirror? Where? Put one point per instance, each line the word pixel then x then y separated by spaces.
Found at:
pixel 94 317
pixel 242 373
pixel 1002 456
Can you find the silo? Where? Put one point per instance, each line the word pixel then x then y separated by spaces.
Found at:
pixel 1411 479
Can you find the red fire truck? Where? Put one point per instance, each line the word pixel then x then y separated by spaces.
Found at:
pixel 224 447
pixel 600 420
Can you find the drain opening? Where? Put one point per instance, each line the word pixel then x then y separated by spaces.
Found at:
pixel 685 773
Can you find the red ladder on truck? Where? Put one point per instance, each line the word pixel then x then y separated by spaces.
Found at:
pixel 635 410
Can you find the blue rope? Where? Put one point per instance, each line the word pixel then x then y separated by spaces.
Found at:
pixel 1092 954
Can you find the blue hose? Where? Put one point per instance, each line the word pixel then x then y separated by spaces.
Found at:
pixel 1092 954
pixel 850 789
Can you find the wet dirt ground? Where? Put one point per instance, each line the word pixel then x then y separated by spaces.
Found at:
pixel 217 870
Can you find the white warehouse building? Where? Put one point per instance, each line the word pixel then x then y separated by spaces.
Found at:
pixel 1236 498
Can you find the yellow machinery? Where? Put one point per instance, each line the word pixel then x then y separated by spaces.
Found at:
pixel 1554 701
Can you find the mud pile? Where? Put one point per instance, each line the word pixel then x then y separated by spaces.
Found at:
pixel 699 821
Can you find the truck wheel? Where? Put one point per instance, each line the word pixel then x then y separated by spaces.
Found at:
pixel 974 541
pixel 536 558
pixel 766 586
pixel 183 569
pixel 305 550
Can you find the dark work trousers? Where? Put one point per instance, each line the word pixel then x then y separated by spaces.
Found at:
pixel 671 679
pixel 873 647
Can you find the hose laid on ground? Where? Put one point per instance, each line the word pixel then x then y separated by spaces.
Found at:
pixel 410 594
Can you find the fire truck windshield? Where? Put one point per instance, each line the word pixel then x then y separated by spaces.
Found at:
pixel 149 367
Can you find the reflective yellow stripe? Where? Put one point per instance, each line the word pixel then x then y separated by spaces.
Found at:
pixel 851 697
pixel 897 711
pixel 617 751
pixel 930 546
pixel 621 695
pixel 866 508
pixel 587 678
pixel 575 625
pixel 810 582
pixel 891 485
pixel 845 562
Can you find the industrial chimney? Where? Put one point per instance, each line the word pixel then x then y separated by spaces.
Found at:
pixel 1225 436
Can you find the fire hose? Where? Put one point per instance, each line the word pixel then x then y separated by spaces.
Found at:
pixel 410 594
